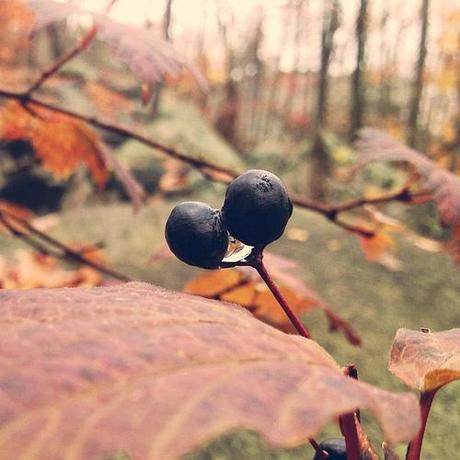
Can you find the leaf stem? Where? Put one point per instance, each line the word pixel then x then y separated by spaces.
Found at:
pixel 348 422
pixel 415 446
pixel 258 264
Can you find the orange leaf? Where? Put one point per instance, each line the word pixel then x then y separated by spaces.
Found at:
pixel 212 284
pixel 267 307
pixel 376 246
pixel 60 142
pixel 242 295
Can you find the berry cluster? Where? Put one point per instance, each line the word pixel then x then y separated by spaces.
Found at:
pixel 255 211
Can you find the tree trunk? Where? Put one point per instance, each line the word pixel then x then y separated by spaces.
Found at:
pixel 320 164
pixel 357 87
pixel 417 85
pixel 166 34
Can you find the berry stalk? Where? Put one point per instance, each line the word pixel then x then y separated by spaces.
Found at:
pixel 260 267
pixel 414 448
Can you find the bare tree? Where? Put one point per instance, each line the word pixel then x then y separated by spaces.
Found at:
pixel 357 86
pixel 320 165
pixel 417 86
pixel 166 34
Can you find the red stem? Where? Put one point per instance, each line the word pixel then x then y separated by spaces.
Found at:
pixel 347 424
pixel 415 446
pixel 300 328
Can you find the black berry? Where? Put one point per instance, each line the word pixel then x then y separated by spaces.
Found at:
pixel 335 447
pixel 257 207
pixel 196 234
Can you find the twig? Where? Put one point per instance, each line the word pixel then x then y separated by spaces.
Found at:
pixel 66 57
pixel 65 251
pixel 56 65
pixel 221 174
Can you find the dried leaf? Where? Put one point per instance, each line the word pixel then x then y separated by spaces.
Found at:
pixel 426 360
pixel 29 270
pixel 61 143
pixel 149 56
pixel 86 373
pixel 47 11
pixel 109 103
pixel 214 283
pixel 242 285
pixel 376 246
pixel 375 145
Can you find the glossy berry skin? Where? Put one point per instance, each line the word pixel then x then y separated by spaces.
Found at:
pixel 196 234
pixel 257 207
pixel 335 447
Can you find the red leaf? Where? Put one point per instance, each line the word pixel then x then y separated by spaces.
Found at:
pixel 86 373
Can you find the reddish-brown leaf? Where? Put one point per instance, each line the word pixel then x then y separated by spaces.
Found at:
pixel 86 373
pixel 375 145
pixel 426 360
pixel 147 55
pixel 60 142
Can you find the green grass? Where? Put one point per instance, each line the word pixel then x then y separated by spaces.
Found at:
pixel 377 301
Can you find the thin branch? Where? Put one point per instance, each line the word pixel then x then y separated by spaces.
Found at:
pixel 66 57
pixel 65 252
pixel 59 63
pixel 222 174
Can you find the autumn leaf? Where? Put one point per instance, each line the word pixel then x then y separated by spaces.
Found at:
pixel 426 360
pixel 146 54
pixel 61 143
pixel 137 369
pixel 375 145
pixel 376 246
pixel 243 285
pixel 27 270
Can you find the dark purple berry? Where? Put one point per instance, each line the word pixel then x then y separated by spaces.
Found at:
pixel 197 235
pixel 257 207
pixel 335 447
